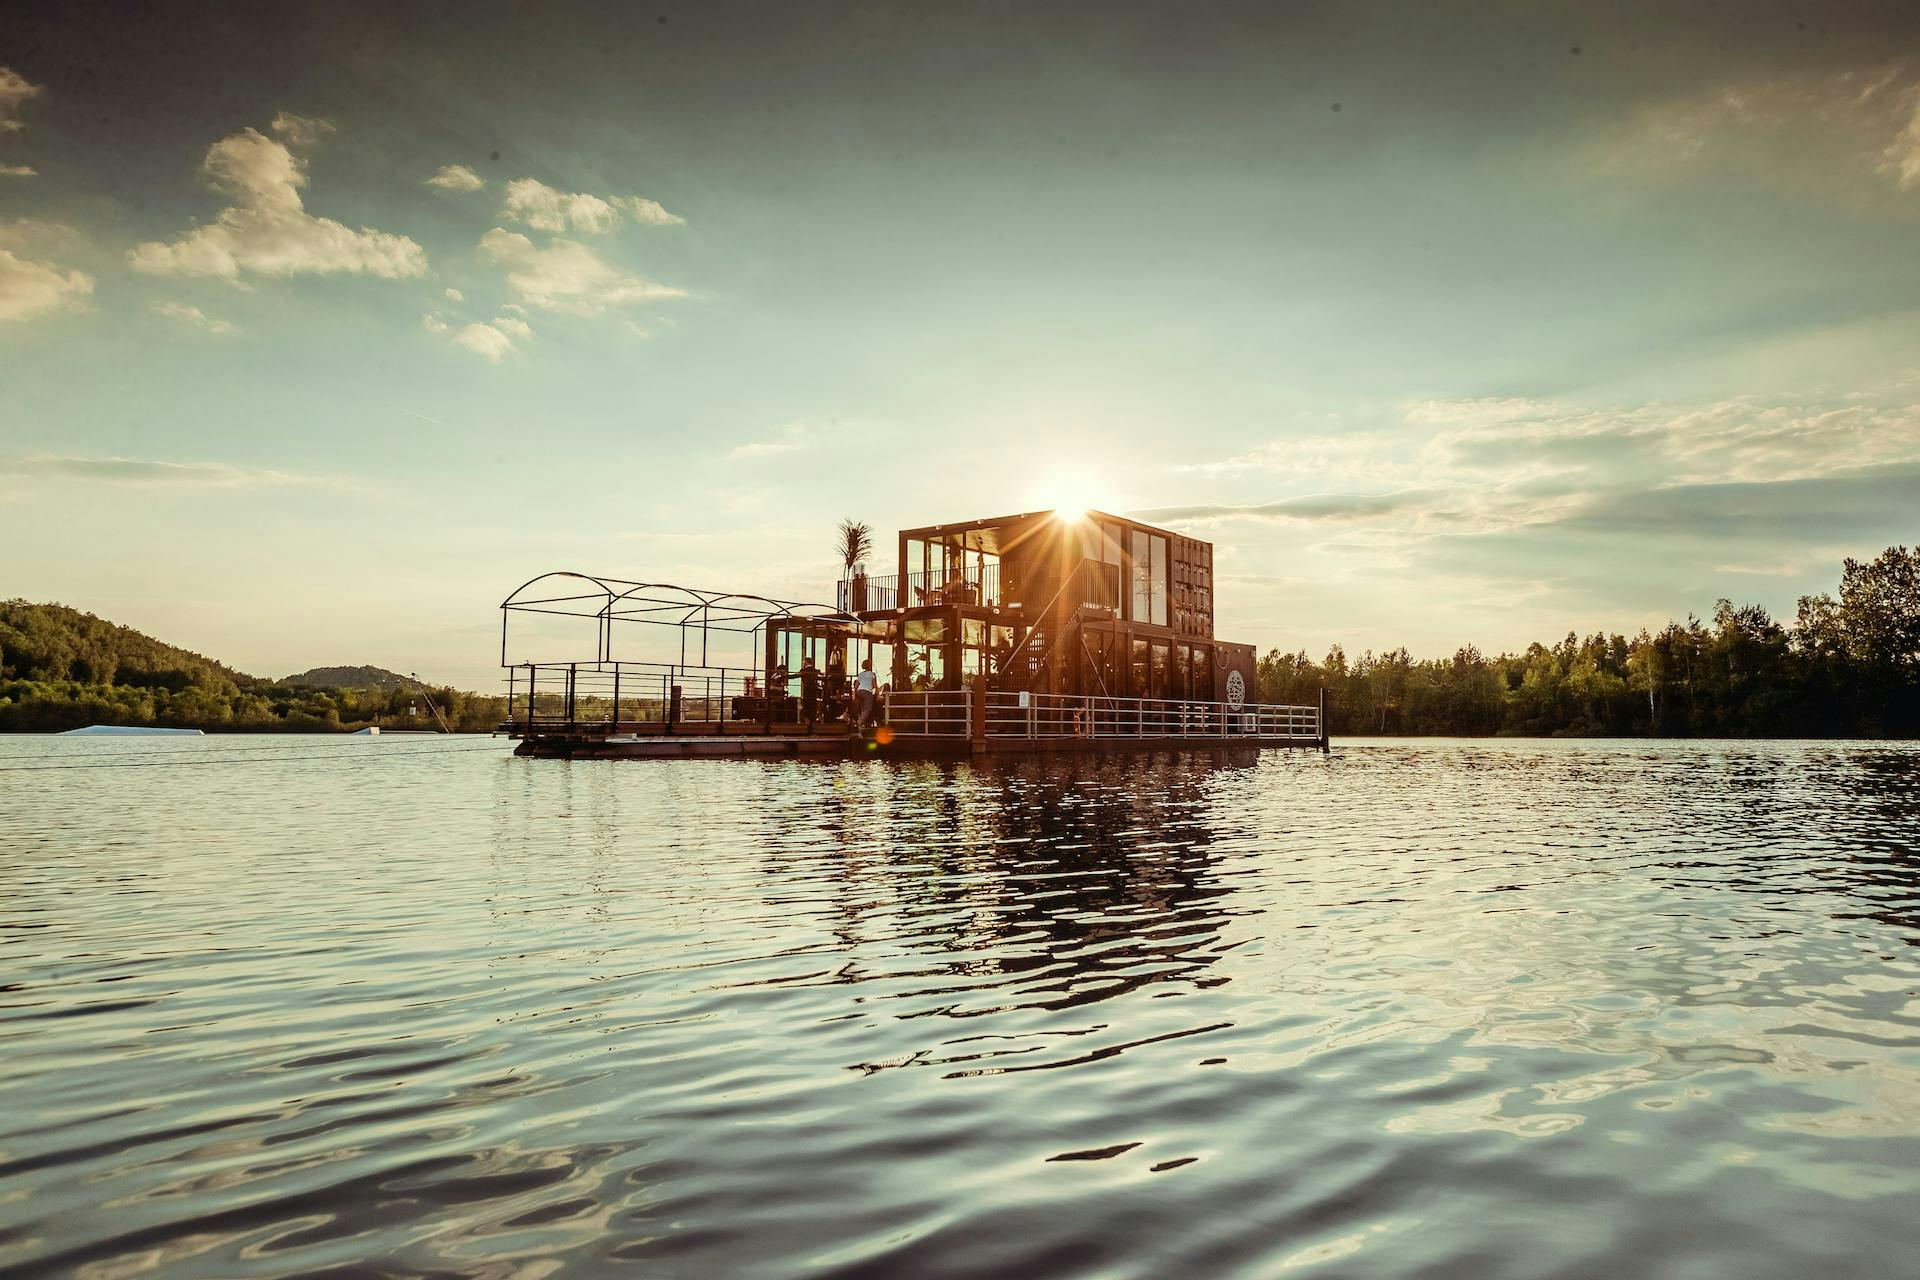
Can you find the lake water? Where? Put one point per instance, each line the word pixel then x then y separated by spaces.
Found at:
pixel 1477 1009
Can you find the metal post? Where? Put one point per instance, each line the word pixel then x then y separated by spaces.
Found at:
pixel 616 699
pixel 1324 747
pixel 673 708
pixel 573 672
pixel 532 673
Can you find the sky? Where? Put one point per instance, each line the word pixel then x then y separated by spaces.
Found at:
pixel 323 328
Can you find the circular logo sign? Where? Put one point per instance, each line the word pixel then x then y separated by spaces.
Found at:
pixel 1236 689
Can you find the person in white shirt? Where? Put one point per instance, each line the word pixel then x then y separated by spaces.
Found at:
pixel 864 685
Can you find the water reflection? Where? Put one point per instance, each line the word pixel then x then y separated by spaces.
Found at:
pixel 1388 1012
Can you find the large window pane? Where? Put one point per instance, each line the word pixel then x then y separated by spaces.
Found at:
pixel 1139 686
pixel 1157 583
pixel 1142 578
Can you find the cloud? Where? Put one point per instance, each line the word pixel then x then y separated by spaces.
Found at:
pixel 30 288
pixel 454 295
pixel 788 439
pixel 494 342
pixel 567 276
pixel 456 177
pixel 267 229
pixel 134 471
pixel 1486 466
pixel 193 317
pixel 541 207
pixel 1312 507
pixel 14 91
pixel 1822 134
pixel 18 171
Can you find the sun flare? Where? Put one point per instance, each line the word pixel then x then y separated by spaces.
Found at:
pixel 1069 494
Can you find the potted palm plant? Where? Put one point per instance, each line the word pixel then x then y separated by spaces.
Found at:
pixel 855 544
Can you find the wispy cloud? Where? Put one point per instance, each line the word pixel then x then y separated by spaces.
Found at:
pixel 136 471
pixel 193 317
pixel 788 439
pixel 14 93
pixel 567 276
pixel 1309 508
pixel 539 206
pixel 1825 133
pixel 456 177
pixel 1469 467
pixel 18 171
pixel 267 229
pixel 30 288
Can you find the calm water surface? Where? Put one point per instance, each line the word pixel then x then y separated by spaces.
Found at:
pixel 314 1006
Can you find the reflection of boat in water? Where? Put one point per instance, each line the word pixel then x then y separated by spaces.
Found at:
pixel 1044 631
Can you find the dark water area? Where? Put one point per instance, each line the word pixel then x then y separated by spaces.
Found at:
pixel 1478 1009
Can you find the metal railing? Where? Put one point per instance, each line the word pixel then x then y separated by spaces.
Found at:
pixel 947 713
pixel 883 591
pixel 657 697
pixel 1053 715
pixel 929 713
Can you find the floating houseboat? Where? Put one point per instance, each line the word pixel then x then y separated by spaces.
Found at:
pixel 1043 631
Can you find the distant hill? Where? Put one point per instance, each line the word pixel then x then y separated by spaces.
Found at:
pixel 52 642
pixel 352 678
pixel 62 669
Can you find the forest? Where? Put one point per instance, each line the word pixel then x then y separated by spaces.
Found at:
pixel 1847 666
pixel 63 669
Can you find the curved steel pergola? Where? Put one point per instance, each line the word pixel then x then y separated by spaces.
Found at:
pixel 688 610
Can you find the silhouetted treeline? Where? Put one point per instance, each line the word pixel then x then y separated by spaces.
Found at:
pixel 1846 666
pixel 63 669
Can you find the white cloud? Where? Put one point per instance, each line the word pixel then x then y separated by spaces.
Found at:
pixel 788 439
pixel 454 295
pixel 567 276
pixel 544 209
pixel 456 177
pixel 494 342
pixel 648 213
pixel 1488 465
pixel 267 229
pixel 18 171
pixel 14 91
pixel 1833 134
pixel 193 317
pixel 1901 159
pixel 29 288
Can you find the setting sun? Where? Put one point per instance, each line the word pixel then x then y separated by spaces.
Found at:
pixel 1069 494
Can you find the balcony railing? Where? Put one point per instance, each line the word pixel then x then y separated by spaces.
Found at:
pixel 877 592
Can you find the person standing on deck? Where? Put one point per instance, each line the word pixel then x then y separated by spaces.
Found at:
pixel 865 684
pixel 810 690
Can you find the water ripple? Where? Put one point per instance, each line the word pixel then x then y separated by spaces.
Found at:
pixel 1476 1009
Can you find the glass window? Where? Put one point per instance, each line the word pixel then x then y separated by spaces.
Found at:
pixel 1110 544
pixel 1203 674
pixel 1139 687
pixel 1183 671
pixel 1142 603
pixel 1158 676
pixel 1157 583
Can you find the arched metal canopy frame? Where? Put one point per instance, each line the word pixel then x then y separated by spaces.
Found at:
pixel 689 610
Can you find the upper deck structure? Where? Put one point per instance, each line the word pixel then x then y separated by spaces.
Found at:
pixel 1040 630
